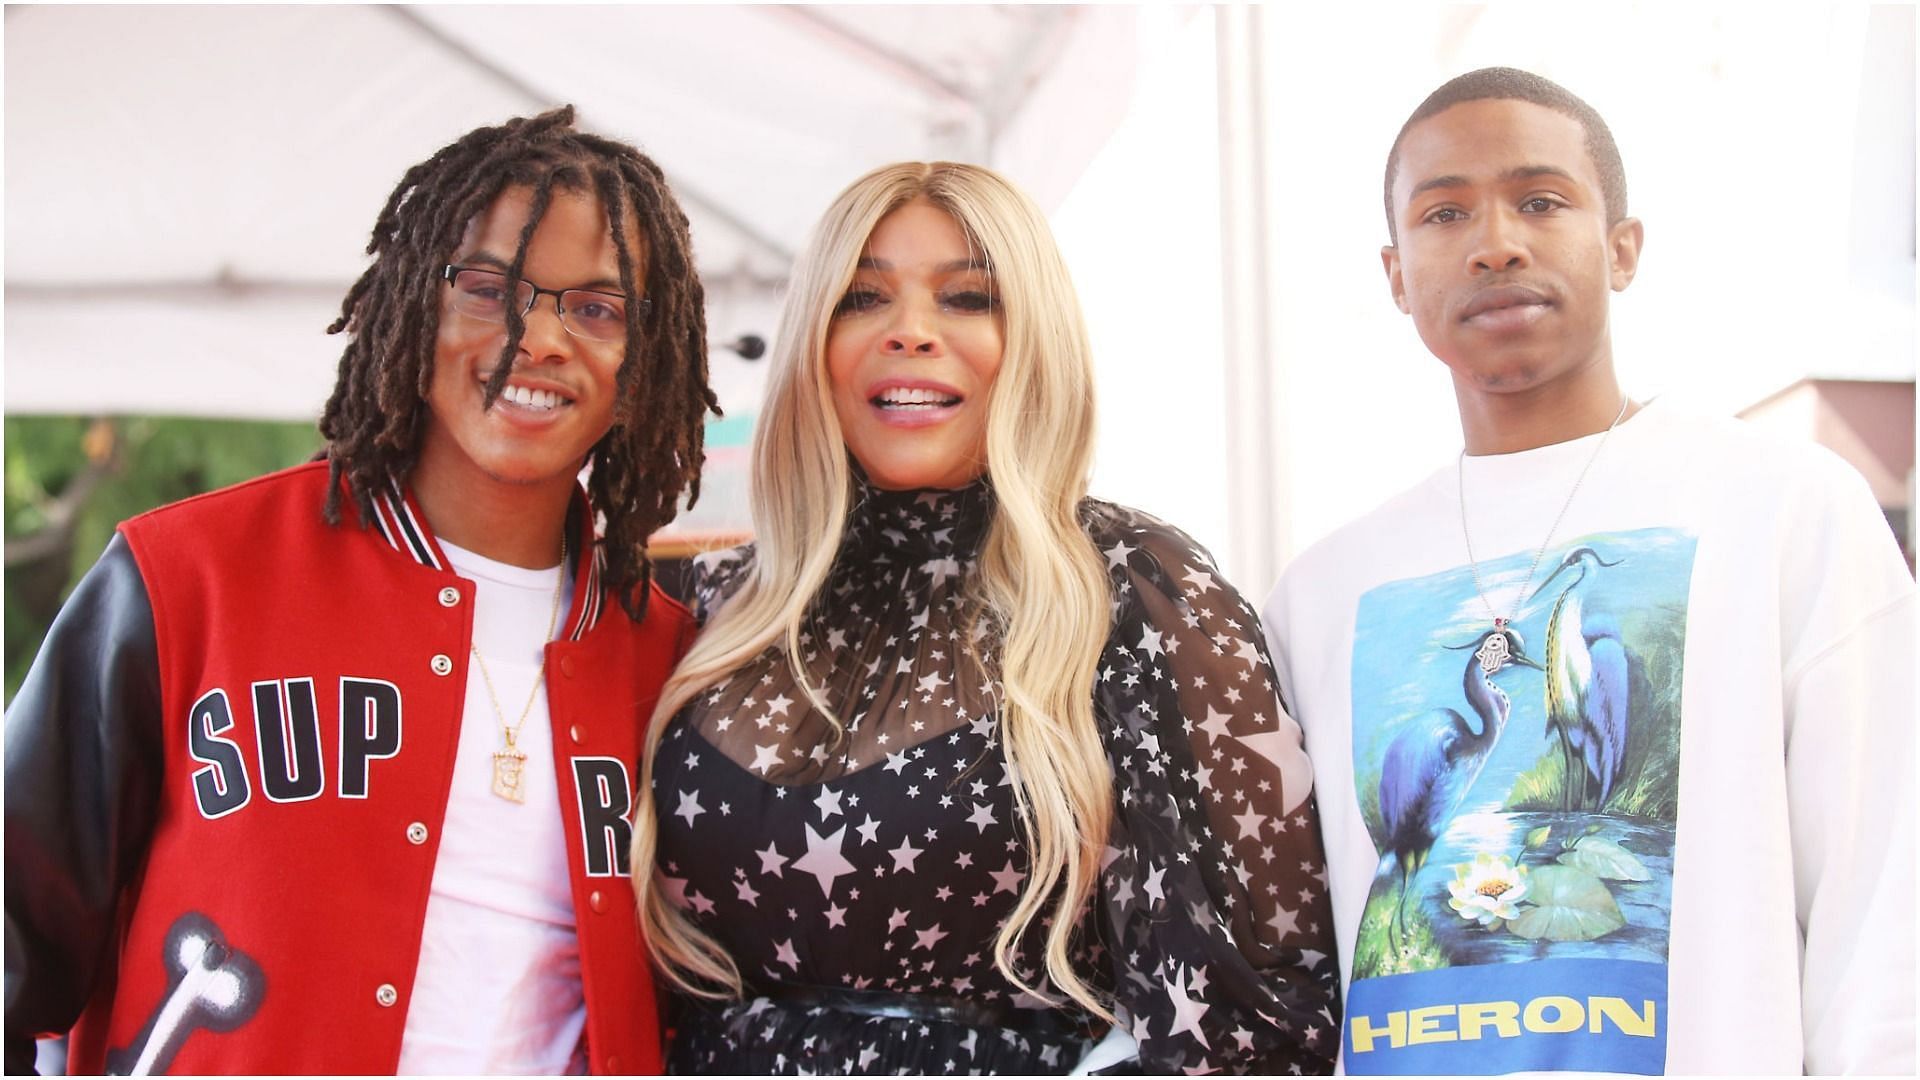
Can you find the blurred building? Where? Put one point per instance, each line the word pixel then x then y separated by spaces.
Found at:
pixel 1869 422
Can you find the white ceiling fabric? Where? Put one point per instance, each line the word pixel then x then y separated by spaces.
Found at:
pixel 189 189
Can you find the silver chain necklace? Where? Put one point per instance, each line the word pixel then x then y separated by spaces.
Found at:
pixel 1494 654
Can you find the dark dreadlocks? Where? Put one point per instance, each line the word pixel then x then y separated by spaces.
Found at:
pixel 374 420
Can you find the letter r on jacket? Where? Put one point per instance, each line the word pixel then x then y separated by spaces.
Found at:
pixel 606 798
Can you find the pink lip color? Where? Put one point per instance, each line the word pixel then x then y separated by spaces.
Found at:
pixel 916 417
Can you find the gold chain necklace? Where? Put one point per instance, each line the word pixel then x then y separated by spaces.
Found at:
pixel 509 760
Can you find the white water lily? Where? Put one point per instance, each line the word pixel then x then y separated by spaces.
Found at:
pixel 1486 889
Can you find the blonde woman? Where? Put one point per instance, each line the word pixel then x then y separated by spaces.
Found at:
pixel 968 769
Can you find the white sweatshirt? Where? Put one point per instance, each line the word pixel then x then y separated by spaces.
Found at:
pixel 1724 629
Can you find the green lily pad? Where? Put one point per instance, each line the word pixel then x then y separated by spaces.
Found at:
pixel 1537 837
pixel 1603 858
pixel 1569 904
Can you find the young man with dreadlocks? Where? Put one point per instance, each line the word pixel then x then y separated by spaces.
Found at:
pixel 329 772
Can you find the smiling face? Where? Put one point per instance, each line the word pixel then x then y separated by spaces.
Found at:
pixel 912 351
pixel 560 398
pixel 1505 258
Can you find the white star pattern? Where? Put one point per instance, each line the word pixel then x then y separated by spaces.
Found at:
pixel 904 855
pixel 1187 1012
pixel 982 816
pixel 1215 725
pixel 1153 887
pixel 1210 831
pixel 1008 879
pixel 1249 823
pixel 771 860
pixel 823 859
pixel 765 758
pixel 829 804
pixel 1150 641
pixel 1284 922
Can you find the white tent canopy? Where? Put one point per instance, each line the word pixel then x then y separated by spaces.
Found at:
pixel 190 188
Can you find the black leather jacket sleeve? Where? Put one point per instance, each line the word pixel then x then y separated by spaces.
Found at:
pixel 83 763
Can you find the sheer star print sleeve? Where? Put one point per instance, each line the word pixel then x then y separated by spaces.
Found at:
pixel 1214 891
pixel 715 576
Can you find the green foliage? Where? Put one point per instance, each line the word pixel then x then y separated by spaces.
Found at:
pixel 1369 796
pixel 1374 952
pixel 1539 787
pixel 1649 784
pixel 147 462
pixel 1603 858
pixel 1567 904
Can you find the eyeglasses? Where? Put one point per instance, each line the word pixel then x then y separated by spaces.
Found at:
pixel 585 313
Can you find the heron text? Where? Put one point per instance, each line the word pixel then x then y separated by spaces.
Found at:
pixel 1467 1021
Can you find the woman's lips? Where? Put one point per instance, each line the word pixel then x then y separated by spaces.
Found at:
pixel 913 416
pixel 913 402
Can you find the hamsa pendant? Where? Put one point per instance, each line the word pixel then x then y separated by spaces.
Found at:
pixel 1494 654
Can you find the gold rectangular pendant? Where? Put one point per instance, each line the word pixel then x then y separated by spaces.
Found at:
pixel 507 766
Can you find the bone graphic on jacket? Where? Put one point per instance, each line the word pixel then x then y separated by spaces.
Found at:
pixel 211 986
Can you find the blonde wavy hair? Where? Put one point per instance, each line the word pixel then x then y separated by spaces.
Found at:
pixel 1040 584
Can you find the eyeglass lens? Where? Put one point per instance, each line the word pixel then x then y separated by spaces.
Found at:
pixel 583 312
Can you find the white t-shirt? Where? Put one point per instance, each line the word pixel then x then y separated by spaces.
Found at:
pixel 1726 629
pixel 498 987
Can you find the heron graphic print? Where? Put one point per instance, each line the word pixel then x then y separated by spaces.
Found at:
pixel 1520 785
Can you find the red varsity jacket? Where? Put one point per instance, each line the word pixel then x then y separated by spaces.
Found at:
pixel 222 820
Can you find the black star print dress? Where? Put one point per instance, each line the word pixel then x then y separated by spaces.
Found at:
pixel 859 884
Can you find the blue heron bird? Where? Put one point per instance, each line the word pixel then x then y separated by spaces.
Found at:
pixel 1588 688
pixel 1434 760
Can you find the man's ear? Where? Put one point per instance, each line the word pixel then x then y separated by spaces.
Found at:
pixel 1390 262
pixel 1624 239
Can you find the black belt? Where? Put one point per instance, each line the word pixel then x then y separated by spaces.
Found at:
pixel 901 1006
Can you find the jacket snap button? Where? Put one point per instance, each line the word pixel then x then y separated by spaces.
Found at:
pixel 613 1064
pixel 442 664
pixel 566 666
pixel 386 995
pixel 578 735
pixel 597 901
pixel 449 597
pixel 417 832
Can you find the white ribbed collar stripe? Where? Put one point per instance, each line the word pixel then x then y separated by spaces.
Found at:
pixel 399 523
pixel 409 527
pixel 589 611
pixel 380 513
